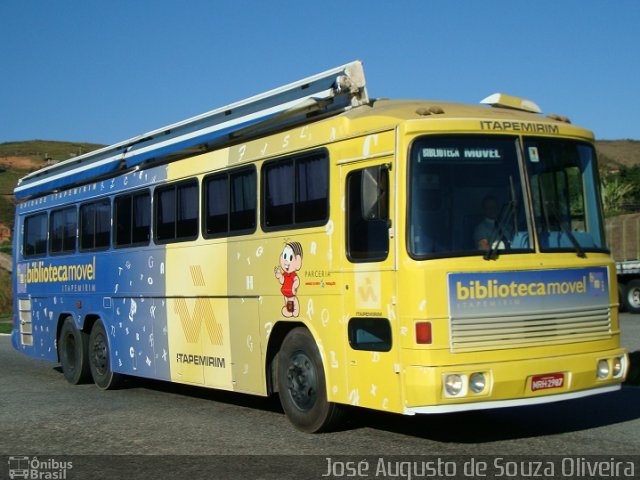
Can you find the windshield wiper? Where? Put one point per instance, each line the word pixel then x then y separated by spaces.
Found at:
pixel 566 230
pixel 499 234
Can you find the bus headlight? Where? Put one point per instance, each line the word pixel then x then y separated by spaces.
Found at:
pixel 454 384
pixel 603 369
pixel 618 367
pixel 477 382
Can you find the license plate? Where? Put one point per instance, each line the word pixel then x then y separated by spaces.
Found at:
pixel 544 382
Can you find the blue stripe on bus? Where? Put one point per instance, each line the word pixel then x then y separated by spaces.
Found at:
pixel 67 180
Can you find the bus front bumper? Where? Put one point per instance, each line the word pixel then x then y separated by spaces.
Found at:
pixel 514 383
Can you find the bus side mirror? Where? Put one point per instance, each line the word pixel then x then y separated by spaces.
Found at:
pixel 374 189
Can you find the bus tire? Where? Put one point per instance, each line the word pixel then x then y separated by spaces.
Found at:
pixel 100 359
pixel 622 293
pixel 73 353
pixel 302 386
pixel 632 296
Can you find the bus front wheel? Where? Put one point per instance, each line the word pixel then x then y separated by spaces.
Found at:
pixel 73 353
pixel 100 360
pixel 302 386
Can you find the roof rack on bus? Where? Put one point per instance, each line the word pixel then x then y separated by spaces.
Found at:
pixel 326 93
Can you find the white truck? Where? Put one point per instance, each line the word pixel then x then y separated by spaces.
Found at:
pixel 623 235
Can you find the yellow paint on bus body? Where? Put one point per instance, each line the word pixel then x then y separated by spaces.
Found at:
pixel 224 300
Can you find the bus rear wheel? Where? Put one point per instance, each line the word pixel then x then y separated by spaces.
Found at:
pixel 302 386
pixel 100 359
pixel 73 353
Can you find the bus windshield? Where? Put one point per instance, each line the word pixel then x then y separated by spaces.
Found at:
pixel 466 197
pixel 564 184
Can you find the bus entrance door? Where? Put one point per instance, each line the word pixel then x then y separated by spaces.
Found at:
pixel 373 377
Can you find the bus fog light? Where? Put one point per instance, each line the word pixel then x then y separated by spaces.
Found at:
pixel 477 382
pixel 618 368
pixel 603 369
pixel 454 384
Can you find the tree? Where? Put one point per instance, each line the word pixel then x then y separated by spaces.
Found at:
pixel 615 193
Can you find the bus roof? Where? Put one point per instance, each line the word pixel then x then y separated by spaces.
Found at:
pixel 415 109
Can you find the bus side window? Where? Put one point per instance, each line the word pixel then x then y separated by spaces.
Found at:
pixel 62 230
pixel 242 201
pixel 229 203
pixel 95 225
pixel 295 192
pixel 368 214
pixel 35 235
pixel 187 211
pixel 176 212
pixel 141 219
pixel 132 219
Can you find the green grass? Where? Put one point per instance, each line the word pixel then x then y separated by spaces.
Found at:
pixel 8 180
pixel 7 211
pixel 6 296
pixel 38 151
pixel 42 149
pixel 6 324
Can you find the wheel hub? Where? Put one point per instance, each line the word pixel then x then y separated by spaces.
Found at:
pixel 100 360
pixel 301 381
pixel 634 297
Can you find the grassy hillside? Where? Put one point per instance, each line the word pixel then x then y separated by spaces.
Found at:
pixel 19 158
pixel 39 150
pixel 8 180
pixel 614 154
pixel 6 299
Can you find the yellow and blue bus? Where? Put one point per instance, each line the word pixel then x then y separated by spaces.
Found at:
pixel 337 250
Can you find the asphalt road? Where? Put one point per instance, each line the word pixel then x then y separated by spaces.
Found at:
pixel 40 414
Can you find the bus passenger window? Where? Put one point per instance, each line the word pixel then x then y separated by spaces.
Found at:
pixel 95 225
pixel 368 214
pixel 141 219
pixel 165 205
pixel 216 205
pixel 187 212
pixel 122 214
pixel 62 230
pixel 35 235
pixel 230 203
pixel 279 189
pixel 312 190
pixel 176 212
pixel 296 192
pixel 132 219
pixel 242 201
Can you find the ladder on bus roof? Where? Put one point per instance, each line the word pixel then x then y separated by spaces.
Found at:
pixel 326 93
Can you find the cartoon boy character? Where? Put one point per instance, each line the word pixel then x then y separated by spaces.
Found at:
pixel 290 263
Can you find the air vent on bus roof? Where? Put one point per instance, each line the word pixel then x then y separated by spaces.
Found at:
pixel 509 101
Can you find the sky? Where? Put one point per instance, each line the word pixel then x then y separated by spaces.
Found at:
pixel 106 71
